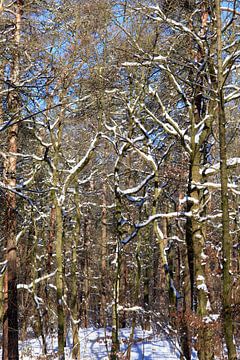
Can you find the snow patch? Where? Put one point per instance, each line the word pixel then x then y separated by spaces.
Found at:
pixel 96 344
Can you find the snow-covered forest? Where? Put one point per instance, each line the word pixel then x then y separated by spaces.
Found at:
pixel 120 179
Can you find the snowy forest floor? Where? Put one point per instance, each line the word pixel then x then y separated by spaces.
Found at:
pixel 96 344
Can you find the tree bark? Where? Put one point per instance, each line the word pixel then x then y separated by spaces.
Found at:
pixel 117 264
pixel 10 318
pixel 226 237
pixel 74 297
pixel 59 280
pixel 103 257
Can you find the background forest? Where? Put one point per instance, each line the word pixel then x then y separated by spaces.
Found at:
pixel 120 172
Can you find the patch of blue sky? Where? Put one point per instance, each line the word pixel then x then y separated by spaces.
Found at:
pixel 226 15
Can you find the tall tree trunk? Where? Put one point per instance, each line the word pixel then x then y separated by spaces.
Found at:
pixel 56 139
pixel 86 270
pixel 185 329
pixel 103 257
pixel 167 282
pixel 135 296
pixel 117 264
pixel 59 280
pixel 196 229
pixel 196 241
pixel 51 238
pixel 187 290
pixel 10 318
pixel 226 237
pixel 74 297
pixel 35 288
pixel 148 270
pixel 115 306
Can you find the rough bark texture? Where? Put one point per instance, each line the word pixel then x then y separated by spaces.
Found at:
pixel 103 257
pixel 59 281
pixel 11 307
pixel 51 238
pixel 10 317
pixel 226 237
pixel 74 297
pixel 117 274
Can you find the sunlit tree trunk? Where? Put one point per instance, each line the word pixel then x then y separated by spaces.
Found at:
pixel 74 292
pixel 51 238
pixel 200 298
pixel 160 241
pixel 136 297
pixel 103 257
pixel 59 280
pixel 226 236
pixel 10 318
pixel 196 228
pixel 40 317
pixel 58 238
pixel 86 270
pixel 117 272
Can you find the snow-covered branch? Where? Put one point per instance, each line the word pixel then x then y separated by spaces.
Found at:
pixel 79 167
pixel 36 281
pixel 137 188
pixel 214 169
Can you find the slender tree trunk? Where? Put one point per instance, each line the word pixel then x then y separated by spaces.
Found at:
pixel 103 257
pixel 115 315
pixel 136 296
pixel 11 305
pixel 226 237
pixel 56 139
pixel 74 297
pixel 34 290
pixel 51 238
pixel 86 272
pixel 117 273
pixel 59 280
pixel 185 329
pixel 195 228
pixel 148 272
pixel 160 241
pixel 10 318
pixel 197 236
pixel 186 303
pixel 146 296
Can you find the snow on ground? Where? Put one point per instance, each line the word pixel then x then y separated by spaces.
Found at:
pixel 96 344
pixel 146 345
